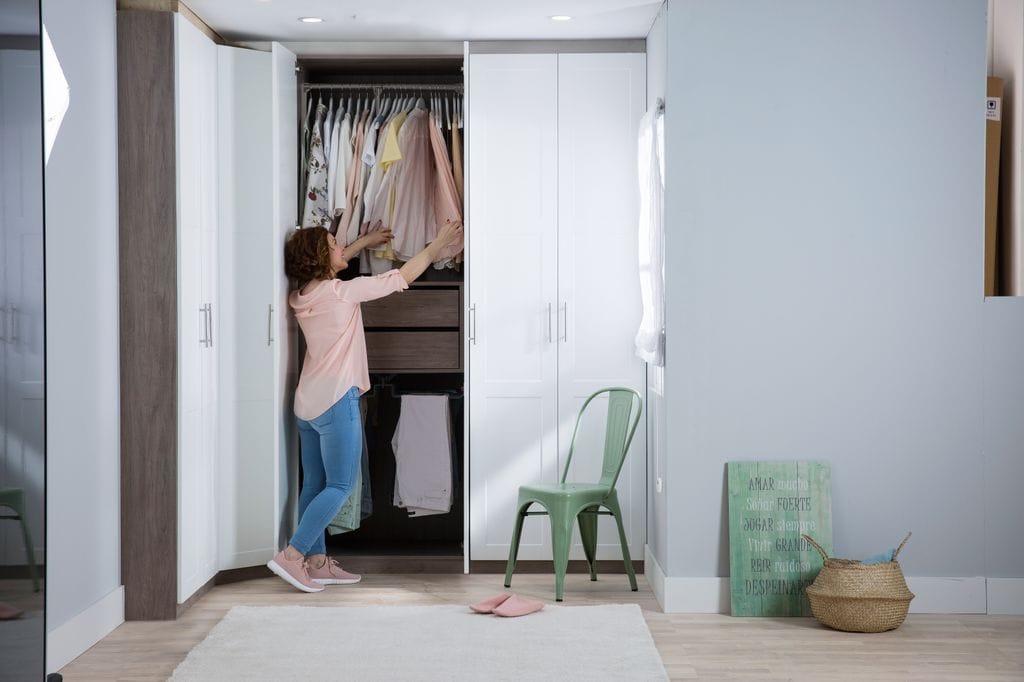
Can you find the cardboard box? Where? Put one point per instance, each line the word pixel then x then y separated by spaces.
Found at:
pixel 993 131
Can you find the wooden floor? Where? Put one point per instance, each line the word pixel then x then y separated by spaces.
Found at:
pixel 692 647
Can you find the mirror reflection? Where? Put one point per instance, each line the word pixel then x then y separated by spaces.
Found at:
pixel 22 471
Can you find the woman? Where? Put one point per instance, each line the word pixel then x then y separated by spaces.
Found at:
pixel 334 375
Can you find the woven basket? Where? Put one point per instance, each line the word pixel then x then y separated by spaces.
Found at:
pixel 855 597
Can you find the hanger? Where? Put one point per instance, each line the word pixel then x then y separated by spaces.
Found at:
pixel 382 384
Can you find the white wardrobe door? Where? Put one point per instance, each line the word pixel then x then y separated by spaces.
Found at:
pixel 247 455
pixel 285 149
pixel 512 263
pixel 196 72
pixel 600 102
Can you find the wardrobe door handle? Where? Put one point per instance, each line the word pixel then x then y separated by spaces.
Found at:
pixel 209 318
pixel 203 340
pixel 14 325
pixel 565 311
pixel 472 327
pixel 270 325
pixel 3 320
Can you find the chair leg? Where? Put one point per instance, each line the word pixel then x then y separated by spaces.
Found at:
pixel 587 521
pixel 613 506
pixel 561 539
pixel 30 554
pixel 513 549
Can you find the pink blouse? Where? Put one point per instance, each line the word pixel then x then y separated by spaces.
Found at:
pixel 332 323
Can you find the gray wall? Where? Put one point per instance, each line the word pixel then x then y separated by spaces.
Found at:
pixel 657 510
pixel 1004 437
pixel 824 273
pixel 83 475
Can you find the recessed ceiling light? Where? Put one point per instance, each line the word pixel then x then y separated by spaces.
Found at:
pixel 561 17
pixel 310 20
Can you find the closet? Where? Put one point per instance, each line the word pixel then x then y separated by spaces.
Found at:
pixel 554 289
pixel 541 312
pixel 414 339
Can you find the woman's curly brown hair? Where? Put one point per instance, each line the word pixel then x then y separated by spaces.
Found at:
pixel 307 255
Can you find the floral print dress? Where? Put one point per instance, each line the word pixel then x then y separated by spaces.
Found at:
pixel 315 213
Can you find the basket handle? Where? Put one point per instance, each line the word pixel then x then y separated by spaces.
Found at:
pixel 821 551
pixel 897 552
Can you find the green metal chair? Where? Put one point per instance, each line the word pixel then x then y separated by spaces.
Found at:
pixel 570 503
pixel 14 499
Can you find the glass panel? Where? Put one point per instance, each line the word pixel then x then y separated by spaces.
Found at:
pixel 22 415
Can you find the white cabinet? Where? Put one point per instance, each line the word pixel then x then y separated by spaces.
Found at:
pixel 553 282
pixel 198 305
pixel 207 196
pixel 257 168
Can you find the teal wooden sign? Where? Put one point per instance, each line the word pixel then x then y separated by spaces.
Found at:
pixel 770 505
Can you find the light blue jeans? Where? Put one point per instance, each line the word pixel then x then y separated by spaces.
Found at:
pixel 331 445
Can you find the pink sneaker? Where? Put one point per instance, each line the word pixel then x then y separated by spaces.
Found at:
pixel 294 572
pixel 332 574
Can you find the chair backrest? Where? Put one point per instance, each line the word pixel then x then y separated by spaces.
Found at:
pixel 624 408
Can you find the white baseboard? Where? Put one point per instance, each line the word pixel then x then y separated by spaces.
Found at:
pixel 947 595
pixel 655 576
pixel 686 595
pixel 932 595
pixel 1006 596
pixel 70 640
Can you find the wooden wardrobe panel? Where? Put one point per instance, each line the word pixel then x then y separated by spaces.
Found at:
pixel 148 313
pixel 414 308
pixel 403 351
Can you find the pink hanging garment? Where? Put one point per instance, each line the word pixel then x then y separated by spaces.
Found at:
pixel 447 204
pixel 414 188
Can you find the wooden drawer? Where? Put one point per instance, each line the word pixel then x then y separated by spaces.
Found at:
pixel 403 351
pixel 414 308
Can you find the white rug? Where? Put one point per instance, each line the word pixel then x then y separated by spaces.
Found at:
pixel 609 642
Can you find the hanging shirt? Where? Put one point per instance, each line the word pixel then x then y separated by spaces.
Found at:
pixel 349 225
pixel 344 164
pixel 383 204
pixel 329 126
pixel 650 338
pixel 447 205
pixel 332 324
pixel 457 161
pixel 413 198
pixel 314 213
pixel 332 161
pixel 307 137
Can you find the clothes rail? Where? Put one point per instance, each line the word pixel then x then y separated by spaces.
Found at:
pixel 378 87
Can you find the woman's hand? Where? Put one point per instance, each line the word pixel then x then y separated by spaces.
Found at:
pixel 369 240
pixel 448 233
pixel 374 239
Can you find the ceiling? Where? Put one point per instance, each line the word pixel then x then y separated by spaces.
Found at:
pixel 425 20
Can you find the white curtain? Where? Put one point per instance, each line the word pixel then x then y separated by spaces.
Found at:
pixel 650 339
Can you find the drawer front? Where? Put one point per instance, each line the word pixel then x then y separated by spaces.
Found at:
pixel 414 308
pixel 396 351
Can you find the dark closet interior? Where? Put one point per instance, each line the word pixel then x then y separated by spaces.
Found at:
pixel 414 346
